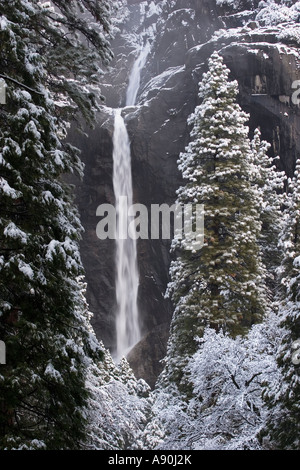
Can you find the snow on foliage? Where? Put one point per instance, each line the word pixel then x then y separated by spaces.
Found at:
pixel 118 408
pixel 44 319
pixel 279 18
pixel 210 394
pixel 273 13
pixel 12 231
pixel 290 33
pixel 233 3
pixel 269 183
pixel 226 410
pixel 223 282
pixel 282 395
pixel 228 375
pixel 61 389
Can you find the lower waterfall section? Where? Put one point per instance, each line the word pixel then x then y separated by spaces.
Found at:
pixel 127 275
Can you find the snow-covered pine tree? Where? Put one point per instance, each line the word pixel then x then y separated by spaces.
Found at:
pixel 222 284
pixel 283 425
pixel 269 182
pixel 43 318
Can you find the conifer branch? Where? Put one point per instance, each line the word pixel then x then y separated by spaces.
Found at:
pixel 5 77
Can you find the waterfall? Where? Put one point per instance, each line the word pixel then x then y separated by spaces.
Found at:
pixel 135 75
pixel 127 276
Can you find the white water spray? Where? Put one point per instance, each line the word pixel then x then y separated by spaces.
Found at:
pixel 127 276
pixel 135 75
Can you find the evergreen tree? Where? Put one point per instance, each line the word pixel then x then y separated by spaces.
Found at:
pixel 269 183
pixel 283 426
pixel 43 319
pixel 222 284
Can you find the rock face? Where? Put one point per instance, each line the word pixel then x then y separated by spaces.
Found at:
pixel 182 34
pixel 143 358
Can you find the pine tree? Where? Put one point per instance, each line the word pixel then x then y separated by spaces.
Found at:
pixel 222 284
pixel 44 319
pixel 269 183
pixel 283 425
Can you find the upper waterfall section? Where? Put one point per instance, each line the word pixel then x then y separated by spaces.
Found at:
pixel 135 75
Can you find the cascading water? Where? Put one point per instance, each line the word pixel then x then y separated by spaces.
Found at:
pixel 135 75
pixel 127 276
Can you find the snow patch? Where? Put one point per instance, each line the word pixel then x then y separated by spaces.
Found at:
pixel 233 3
pixel 297 262
pixel 3 23
pixel 8 190
pixel 153 10
pixel 52 373
pixel 12 231
pixel 25 269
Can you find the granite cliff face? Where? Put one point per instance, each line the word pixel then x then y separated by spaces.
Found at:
pixel 262 56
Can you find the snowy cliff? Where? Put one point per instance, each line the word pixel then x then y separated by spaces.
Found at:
pixel 174 39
